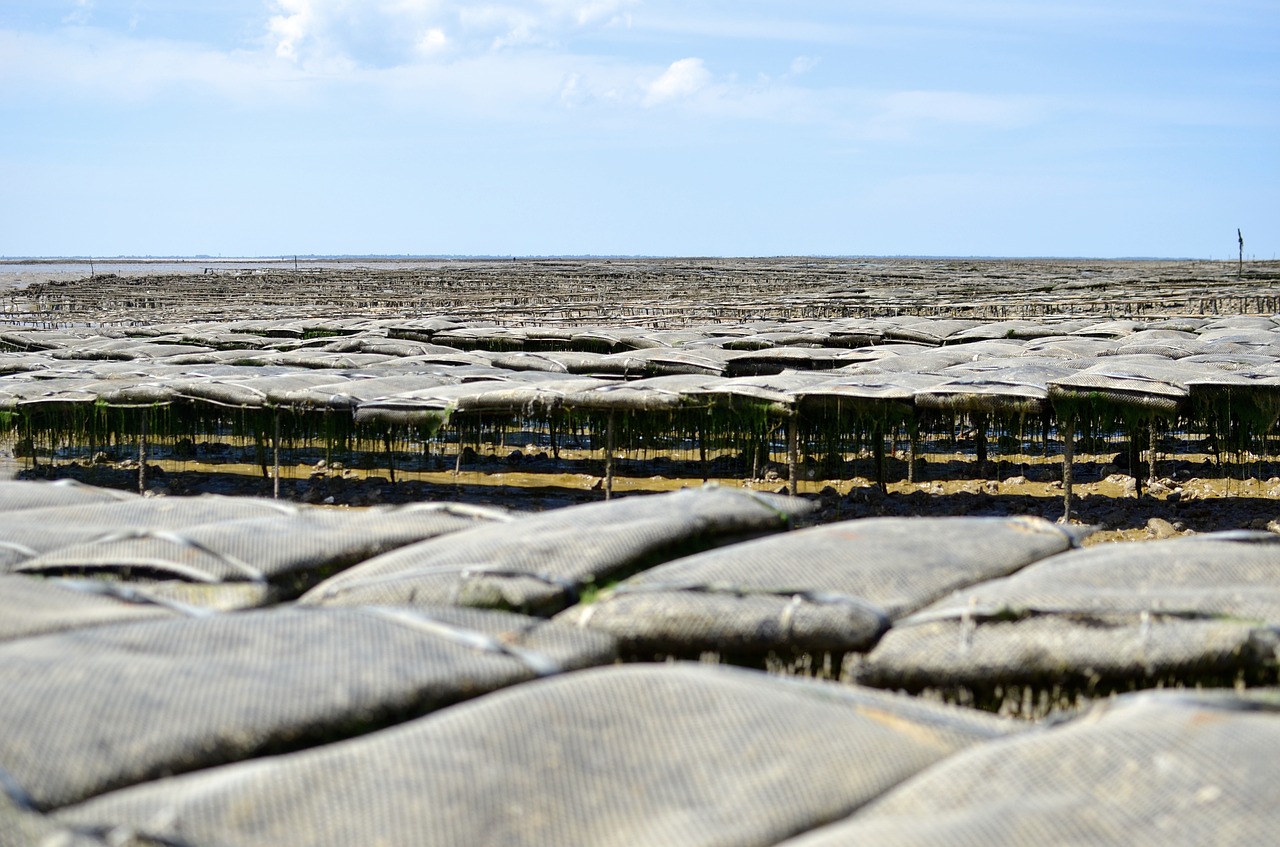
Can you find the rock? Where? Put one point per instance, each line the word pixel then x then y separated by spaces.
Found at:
pixel 1161 528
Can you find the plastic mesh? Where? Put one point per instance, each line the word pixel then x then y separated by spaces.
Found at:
pixel 638 755
pixel 30 606
pixel 1198 610
pixel 87 711
pixel 539 563
pixel 33 531
pixel 16 496
pixel 1150 770
pixel 304 545
pixel 827 588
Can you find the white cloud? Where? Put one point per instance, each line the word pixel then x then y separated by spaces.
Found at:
pixel 80 15
pixel 388 33
pixel 432 42
pixel 291 28
pixel 684 78
pixel 801 65
pixel 585 12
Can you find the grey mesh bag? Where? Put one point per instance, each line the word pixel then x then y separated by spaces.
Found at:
pixel 87 711
pixel 31 606
pixel 630 756
pixel 291 551
pixel 1149 770
pixel 827 588
pixel 24 827
pixel 538 564
pixel 1201 610
pixel 29 532
pixel 18 495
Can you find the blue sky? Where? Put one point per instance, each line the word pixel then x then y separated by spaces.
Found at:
pixel 654 127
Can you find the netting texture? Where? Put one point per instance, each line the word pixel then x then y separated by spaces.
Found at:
pixel 19 495
pixel 306 544
pixel 1149 770
pixel 539 563
pixel 1199 610
pixel 31 606
pixel 634 756
pixel 29 532
pixel 87 711
pixel 24 827
pixel 827 588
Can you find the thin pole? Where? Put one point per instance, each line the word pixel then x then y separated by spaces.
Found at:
pixel 608 458
pixel 877 447
pixel 979 421
pixel 913 456
pixel 1067 430
pixel 1135 459
pixel 391 456
pixel 142 454
pixel 702 450
pixel 793 452
pixel 275 458
pixel 457 463
pixel 1151 453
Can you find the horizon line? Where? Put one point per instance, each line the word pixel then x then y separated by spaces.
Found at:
pixel 407 257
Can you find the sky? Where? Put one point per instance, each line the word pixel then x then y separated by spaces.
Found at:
pixel 1097 128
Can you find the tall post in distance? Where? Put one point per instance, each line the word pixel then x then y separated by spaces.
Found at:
pixel 1240 264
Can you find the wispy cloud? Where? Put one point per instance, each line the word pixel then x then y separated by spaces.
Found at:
pixel 683 78
pixel 388 33
pixel 80 14
pixel 801 65
pixel 507 61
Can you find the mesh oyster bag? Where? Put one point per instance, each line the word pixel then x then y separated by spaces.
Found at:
pixel 828 588
pixel 288 551
pixel 632 755
pixel 87 711
pixel 538 564
pixel 1150 769
pixel 1201 610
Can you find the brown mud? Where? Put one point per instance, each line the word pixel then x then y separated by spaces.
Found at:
pixel 1198 499
pixel 658 293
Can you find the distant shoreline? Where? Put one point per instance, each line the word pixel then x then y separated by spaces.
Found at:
pixel 343 258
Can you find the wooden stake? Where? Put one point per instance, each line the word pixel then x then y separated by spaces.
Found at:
pixel 1135 459
pixel 979 421
pixel 142 454
pixel 608 458
pixel 1151 453
pixel 275 458
pixel 793 453
pixel 1067 430
pixel 878 448
pixel 913 456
